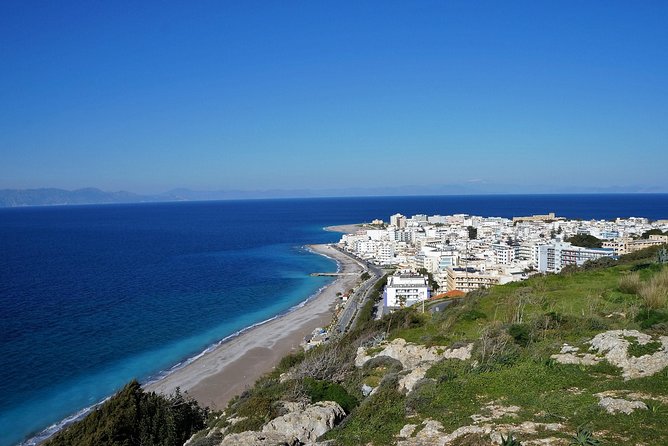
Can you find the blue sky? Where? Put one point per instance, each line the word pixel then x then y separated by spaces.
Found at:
pixel 149 96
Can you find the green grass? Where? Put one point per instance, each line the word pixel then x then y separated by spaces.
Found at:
pixel 538 316
pixel 638 350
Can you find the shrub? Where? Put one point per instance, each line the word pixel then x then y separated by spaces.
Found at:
pixel 289 361
pixel 521 333
pixel 495 347
pixel 509 440
pixel 584 437
pixel 472 315
pixel 133 417
pixel 650 317
pixel 630 283
pixel 655 292
pixel 329 391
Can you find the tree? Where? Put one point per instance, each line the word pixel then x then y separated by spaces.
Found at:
pixel 646 234
pixel 473 232
pixel 430 278
pixel 585 240
pixel 133 417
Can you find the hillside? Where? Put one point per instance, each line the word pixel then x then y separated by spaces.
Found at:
pixel 575 358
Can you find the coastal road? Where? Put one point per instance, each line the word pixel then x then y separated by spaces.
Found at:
pixel 358 299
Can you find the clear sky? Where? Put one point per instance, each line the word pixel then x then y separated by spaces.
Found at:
pixel 148 96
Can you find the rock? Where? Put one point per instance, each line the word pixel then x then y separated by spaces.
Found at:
pixel 617 405
pixel 407 382
pixel 432 434
pixel 411 355
pixel 571 358
pixel 615 347
pixel 550 441
pixel 415 359
pixel 495 411
pixel 308 424
pixel 407 430
pixel 569 349
pixel 259 439
pixel 366 389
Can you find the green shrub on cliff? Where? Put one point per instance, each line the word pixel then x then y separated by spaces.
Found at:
pixel 132 418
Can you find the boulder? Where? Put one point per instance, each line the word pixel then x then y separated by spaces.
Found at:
pixel 306 425
pixel 250 438
pixel 615 347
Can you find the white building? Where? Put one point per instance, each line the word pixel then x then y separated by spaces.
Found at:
pixel 553 257
pixel 405 289
pixel 398 221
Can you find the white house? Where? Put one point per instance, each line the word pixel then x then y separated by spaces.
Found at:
pixel 405 289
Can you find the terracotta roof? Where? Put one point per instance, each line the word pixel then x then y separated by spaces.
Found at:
pixel 449 294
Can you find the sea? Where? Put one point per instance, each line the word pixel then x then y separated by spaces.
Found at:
pixel 94 296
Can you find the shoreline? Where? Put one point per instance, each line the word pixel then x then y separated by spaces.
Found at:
pixel 345 229
pixel 226 370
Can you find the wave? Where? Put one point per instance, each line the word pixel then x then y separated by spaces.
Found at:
pixel 56 427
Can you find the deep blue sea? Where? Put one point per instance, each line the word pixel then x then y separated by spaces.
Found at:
pixel 93 296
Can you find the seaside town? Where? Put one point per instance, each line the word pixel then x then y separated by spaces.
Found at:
pixel 448 256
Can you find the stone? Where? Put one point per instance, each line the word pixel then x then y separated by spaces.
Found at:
pixel 495 411
pixel 366 389
pixel 308 424
pixel 250 438
pixel 415 359
pixel 407 382
pixel 615 348
pixel 619 405
pixel 411 355
pixel 407 430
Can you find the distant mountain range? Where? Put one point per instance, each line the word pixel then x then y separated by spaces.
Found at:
pixel 55 197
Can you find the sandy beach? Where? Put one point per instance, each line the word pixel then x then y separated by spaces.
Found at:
pixel 217 376
pixel 345 229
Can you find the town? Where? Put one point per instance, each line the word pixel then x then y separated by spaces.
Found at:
pixel 456 254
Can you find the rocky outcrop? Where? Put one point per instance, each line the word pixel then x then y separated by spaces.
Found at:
pixel 570 355
pixel 432 433
pixel 613 346
pixel 619 405
pixel 259 439
pixel 411 355
pixel 494 411
pixel 613 402
pixel 415 359
pixel 301 425
pixel 308 424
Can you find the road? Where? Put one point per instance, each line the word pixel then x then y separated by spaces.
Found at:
pixel 360 296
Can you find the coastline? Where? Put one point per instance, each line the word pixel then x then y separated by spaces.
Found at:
pixel 225 371
pixel 345 229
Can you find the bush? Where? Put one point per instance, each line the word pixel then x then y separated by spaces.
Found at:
pixel 495 347
pixel 133 417
pixel 472 315
pixel 649 318
pixel 630 283
pixel 521 333
pixel 329 391
pixel 655 293
pixel 289 361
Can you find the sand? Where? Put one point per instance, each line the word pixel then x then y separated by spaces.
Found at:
pixel 217 376
pixel 345 229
